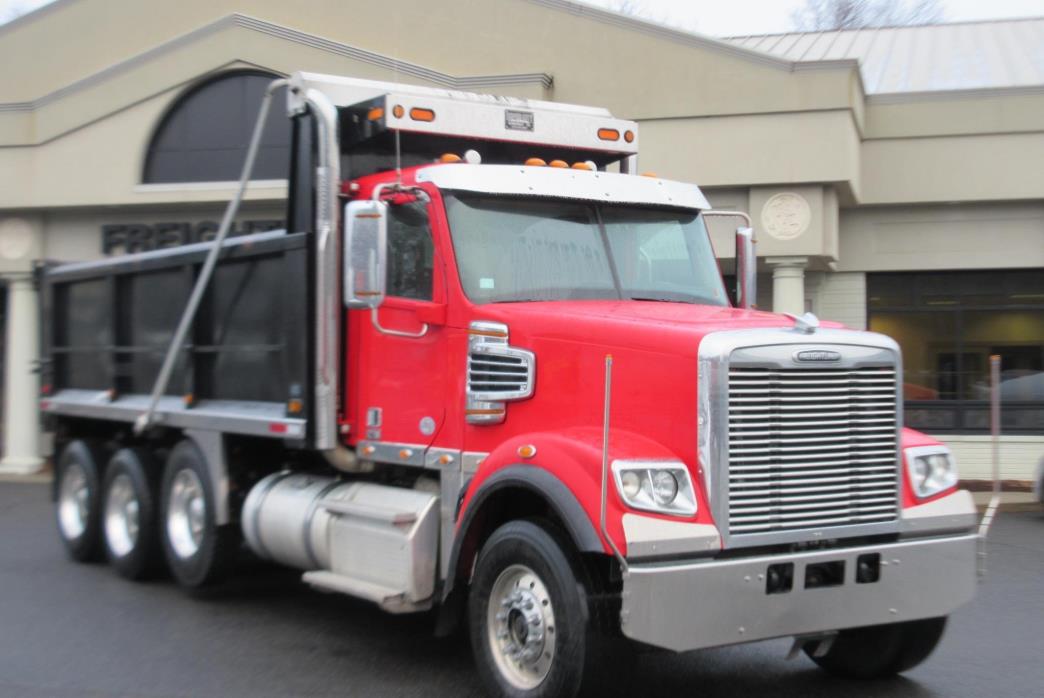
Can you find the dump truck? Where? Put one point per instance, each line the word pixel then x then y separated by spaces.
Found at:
pixel 490 371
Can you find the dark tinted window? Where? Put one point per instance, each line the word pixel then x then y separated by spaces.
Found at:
pixel 410 252
pixel 949 324
pixel 204 136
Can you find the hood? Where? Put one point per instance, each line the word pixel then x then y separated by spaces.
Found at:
pixel 661 327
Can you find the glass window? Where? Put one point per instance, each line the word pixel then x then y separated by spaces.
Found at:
pixel 204 135
pixel 411 254
pixel 536 250
pixel 948 325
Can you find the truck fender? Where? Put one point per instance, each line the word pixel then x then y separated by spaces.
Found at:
pixel 543 484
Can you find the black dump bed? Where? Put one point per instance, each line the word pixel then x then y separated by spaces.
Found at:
pixel 245 365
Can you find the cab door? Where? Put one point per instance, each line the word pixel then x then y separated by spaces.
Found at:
pixel 397 352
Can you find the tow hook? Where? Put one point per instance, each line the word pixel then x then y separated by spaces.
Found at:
pixel 822 643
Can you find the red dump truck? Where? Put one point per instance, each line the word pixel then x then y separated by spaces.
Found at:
pixel 488 369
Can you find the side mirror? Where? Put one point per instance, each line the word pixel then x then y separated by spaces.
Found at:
pixel 746 269
pixel 365 253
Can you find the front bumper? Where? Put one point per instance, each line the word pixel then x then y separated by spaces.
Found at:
pixel 721 602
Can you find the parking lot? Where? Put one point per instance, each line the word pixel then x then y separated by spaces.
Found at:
pixel 79 630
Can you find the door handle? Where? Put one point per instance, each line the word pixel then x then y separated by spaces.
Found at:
pixel 396 333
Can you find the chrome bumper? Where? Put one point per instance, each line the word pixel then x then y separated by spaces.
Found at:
pixel 721 602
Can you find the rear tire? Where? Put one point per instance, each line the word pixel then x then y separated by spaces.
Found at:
pixel 129 517
pixel 881 651
pixel 528 615
pixel 198 551
pixel 78 500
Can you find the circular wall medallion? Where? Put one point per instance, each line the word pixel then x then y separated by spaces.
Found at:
pixel 785 216
pixel 16 238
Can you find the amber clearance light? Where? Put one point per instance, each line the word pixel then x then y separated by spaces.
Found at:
pixel 608 134
pixel 419 114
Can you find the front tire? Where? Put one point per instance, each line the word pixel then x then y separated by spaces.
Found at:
pixel 881 651
pixel 78 501
pixel 129 516
pixel 527 613
pixel 199 553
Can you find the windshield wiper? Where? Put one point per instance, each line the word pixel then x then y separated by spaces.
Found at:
pixel 658 300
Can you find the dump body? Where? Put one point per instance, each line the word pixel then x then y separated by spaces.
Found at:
pixel 245 366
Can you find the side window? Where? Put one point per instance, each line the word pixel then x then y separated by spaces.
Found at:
pixel 411 253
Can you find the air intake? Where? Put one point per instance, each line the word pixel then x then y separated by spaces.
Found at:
pixel 497 373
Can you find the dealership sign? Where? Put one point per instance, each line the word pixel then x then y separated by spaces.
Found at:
pixel 125 238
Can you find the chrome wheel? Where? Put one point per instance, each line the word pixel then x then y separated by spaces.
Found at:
pixel 73 502
pixel 521 627
pixel 121 516
pixel 186 514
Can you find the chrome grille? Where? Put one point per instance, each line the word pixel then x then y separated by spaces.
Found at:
pixel 496 374
pixel 811 448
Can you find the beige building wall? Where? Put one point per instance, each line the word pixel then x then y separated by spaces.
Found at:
pixel 886 183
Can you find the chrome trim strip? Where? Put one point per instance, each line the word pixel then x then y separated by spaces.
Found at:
pixel 229 416
pixel 471 460
pixel 776 347
pixel 393 452
pixel 561 183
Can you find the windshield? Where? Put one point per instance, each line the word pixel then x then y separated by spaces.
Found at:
pixel 511 250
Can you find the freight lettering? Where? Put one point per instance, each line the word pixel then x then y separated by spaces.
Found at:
pixel 127 238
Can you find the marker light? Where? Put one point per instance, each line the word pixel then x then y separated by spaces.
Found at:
pixel 932 470
pixel 527 451
pixel 419 114
pixel 649 174
pixel 450 157
pixel 398 111
pixel 629 136
pixel 472 157
pixel 535 162
pixel 558 163
pixel 662 486
pixel 589 166
pixel 608 134
pixel 375 114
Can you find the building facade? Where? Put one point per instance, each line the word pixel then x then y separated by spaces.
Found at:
pixel 894 176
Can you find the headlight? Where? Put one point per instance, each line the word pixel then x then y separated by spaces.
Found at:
pixel 932 469
pixel 661 486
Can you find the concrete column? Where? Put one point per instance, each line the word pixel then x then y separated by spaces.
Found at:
pixel 21 435
pixel 788 284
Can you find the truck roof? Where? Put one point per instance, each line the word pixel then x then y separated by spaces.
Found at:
pixel 423 121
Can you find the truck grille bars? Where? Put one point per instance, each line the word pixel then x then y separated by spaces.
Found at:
pixel 811 448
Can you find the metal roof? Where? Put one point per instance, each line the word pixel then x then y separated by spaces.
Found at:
pixel 961 56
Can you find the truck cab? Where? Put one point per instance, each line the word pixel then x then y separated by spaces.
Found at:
pixel 513 386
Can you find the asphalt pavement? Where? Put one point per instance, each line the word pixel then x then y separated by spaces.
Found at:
pixel 79 630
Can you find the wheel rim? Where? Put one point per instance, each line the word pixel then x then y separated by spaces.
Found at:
pixel 186 514
pixel 121 516
pixel 73 502
pixel 521 627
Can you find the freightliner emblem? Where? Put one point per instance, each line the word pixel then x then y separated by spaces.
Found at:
pixel 817 355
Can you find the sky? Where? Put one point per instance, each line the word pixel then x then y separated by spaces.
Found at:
pixel 725 17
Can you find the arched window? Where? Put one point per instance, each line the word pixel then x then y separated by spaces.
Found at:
pixel 203 137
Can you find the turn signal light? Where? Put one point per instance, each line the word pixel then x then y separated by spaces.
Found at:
pixel 418 114
pixel 535 162
pixel 608 134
